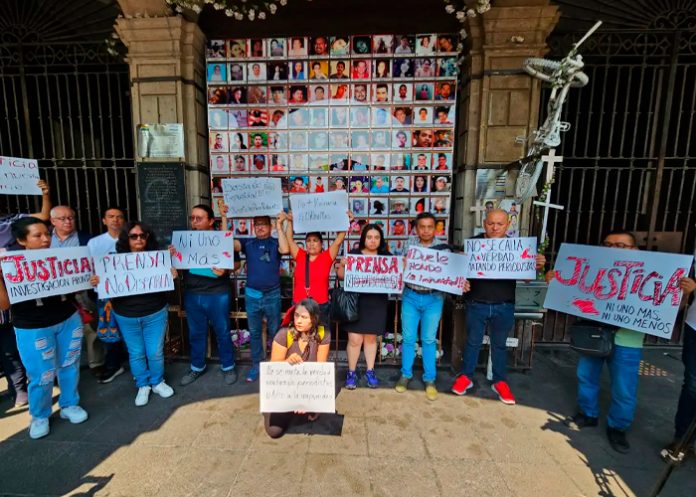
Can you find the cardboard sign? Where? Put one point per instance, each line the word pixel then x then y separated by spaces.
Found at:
pixel 249 197
pixel 373 274
pixel 309 387
pixel 33 274
pixel 501 258
pixel 632 289
pixel 320 212
pixel 435 269
pixel 203 249
pixel 134 273
pixel 19 176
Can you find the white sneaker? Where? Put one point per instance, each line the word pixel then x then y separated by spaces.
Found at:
pixel 143 396
pixel 163 390
pixel 38 428
pixel 75 414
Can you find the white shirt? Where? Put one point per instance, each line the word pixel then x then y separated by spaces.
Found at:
pixel 102 245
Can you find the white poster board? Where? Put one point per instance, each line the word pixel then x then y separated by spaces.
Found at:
pixel 33 274
pixel 319 212
pixel 203 249
pixel 249 197
pixel 134 273
pixel 633 289
pixel 374 274
pixel 19 176
pixel 435 269
pixel 309 387
pixel 501 258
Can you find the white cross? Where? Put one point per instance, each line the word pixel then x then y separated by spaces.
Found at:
pixel 551 160
pixel 546 204
pixel 480 207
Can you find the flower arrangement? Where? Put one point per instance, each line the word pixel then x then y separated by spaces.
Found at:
pixel 241 339
pixel 391 346
pixel 237 9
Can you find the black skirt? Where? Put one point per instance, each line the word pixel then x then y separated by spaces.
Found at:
pixel 373 315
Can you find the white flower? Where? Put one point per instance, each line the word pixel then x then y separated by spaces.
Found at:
pixel 283 2
pixel 462 33
pixel 384 351
pixel 238 15
pixel 262 15
pixel 471 13
pixel 389 336
pixel 461 15
pixel 272 8
pixel 460 47
pixel 218 6
pixel 252 14
pixel 448 8
pixel 196 8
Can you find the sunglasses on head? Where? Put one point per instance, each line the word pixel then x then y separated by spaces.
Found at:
pixel 135 236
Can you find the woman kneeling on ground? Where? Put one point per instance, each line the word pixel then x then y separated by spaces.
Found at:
pixel 142 320
pixel 302 340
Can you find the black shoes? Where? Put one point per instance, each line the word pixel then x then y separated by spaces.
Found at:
pixel 617 440
pixel 580 421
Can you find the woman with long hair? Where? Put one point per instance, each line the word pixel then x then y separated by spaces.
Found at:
pixel 420 184
pixel 142 320
pixel 372 312
pixel 301 338
pixel 49 339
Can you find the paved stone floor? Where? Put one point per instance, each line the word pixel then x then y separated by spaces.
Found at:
pixel 208 440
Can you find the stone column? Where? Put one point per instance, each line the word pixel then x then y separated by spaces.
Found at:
pixel 166 56
pixel 498 102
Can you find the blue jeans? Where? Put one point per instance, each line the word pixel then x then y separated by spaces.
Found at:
pixel 426 309
pixel 144 337
pixel 47 353
pixel 500 319
pixel 257 308
pixel 686 410
pixel 623 365
pixel 214 308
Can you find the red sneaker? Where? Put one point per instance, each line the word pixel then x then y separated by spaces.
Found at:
pixel 504 393
pixel 462 384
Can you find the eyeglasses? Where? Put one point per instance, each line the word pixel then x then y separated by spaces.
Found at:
pixel 135 236
pixel 64 218
pixel 617 245
pixel 197 218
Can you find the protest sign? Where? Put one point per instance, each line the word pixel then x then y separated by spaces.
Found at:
pixel 435 269
pixel 309 387
pixel 134 273
pixel 34 274
pixel 626 288
pixel 501 258
pixel 319 212
pixel 203 249
pixel 373 274
pixel 19 176
pixel 249 197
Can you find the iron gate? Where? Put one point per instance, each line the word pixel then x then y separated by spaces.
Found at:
pixel 630 155
pixel 67 105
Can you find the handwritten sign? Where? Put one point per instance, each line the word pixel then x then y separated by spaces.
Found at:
pixel 309 387
pixel 203 249
pixel 627 288
pixel 320 212
pixel 501 258
pixel 19 176
pixel 435 269
pixel 134 273
pixel 249 197
pixel 33 274
pixel 374 274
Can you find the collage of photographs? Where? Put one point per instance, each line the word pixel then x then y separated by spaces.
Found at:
pixel 373 115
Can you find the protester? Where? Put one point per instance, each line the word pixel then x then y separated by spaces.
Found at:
pixel 686 408
pixel 49 339
pixel 6 220
pixel 207 300
pixel 99 246
pixel 262 291
pixel 623 364
pixel 421 305
pixel 490 303
pixel 320 263
pixel 372 311
pixel 142 320
pixel 301 339
pixel 65 234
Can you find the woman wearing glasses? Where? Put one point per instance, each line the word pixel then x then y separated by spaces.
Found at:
pixel 142 320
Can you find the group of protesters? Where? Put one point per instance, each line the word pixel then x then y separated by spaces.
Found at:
pixel 41 339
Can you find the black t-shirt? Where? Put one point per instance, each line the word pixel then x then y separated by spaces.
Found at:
pixel 137 306
pixel 491 291
pixel 50 312
pixel 194 283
